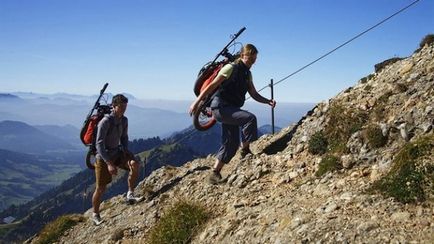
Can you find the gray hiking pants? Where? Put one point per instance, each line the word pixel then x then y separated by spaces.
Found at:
pixel 232 118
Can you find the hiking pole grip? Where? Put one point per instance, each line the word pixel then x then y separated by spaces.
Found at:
pixel 227 45
pixel 239 32
pixel 103 89
pixel 99 97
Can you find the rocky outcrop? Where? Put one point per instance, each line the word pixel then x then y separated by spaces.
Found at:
pixel 276 197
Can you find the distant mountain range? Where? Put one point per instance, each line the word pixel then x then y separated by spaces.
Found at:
pixel 72 110
pixel 147 118
pixel 8 96
pixel 21 137
pixel 67 133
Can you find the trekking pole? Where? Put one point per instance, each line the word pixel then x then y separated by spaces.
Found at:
pixel 101 93
pixel 95 106
pixel 232 40
pixel 272 108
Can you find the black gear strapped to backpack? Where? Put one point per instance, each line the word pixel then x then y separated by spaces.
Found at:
pixel 90 127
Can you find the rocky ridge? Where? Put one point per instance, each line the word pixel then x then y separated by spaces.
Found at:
pixel 277 198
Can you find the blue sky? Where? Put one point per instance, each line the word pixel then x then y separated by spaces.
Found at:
pixel 154 49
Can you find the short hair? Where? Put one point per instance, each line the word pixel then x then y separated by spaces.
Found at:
pixel 119 99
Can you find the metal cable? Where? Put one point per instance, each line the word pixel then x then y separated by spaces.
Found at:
pixel 343 44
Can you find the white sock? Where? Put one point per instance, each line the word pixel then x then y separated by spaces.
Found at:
pixel 130 193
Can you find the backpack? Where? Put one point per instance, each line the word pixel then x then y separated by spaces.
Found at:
pixel 207 74
pixel 90 128
pixel 202 117
pixel 210 70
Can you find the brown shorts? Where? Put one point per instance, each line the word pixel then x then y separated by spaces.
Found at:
pixel 102 175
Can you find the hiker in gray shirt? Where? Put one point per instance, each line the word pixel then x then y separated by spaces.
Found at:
pixel 112 153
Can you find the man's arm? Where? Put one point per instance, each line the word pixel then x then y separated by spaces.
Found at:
pixel 103 127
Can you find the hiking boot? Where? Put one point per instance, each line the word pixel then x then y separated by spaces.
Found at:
pixel 215 178
pixel 96 219
pixel 131 199
pixel 245 152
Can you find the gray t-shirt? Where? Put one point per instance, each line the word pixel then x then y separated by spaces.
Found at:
pixel 112 133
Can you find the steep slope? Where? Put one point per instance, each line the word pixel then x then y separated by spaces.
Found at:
pixel 317 181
